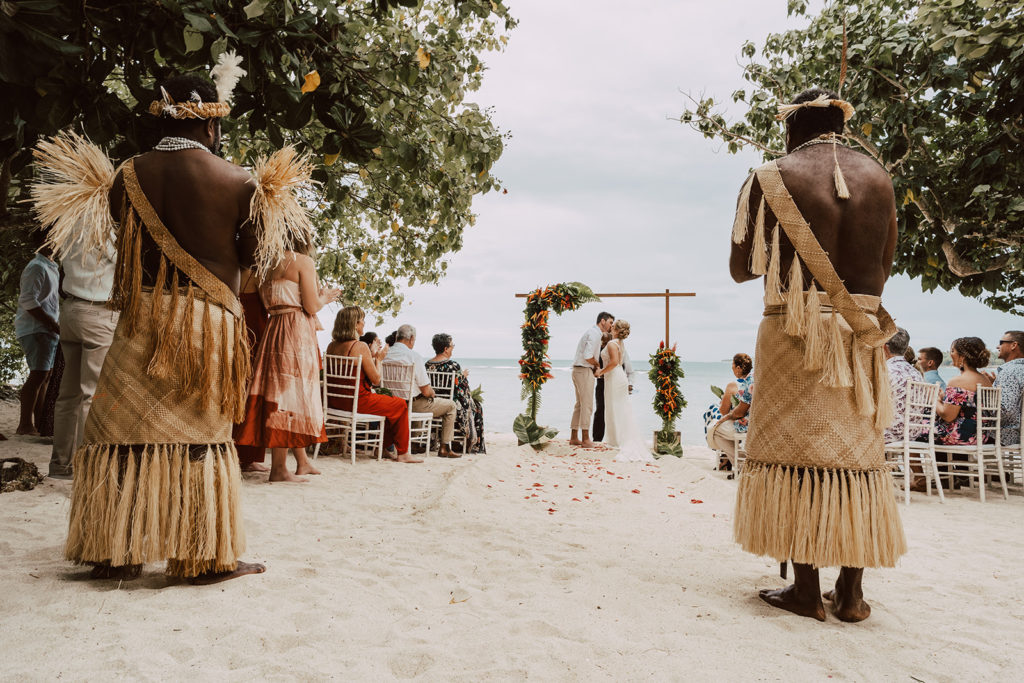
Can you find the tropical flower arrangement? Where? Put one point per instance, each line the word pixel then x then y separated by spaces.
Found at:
pixel 666 371
pixel 534 367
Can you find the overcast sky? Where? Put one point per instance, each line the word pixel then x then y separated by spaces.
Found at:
pixel 604 188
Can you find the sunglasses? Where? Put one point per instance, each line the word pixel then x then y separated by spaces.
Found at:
pixel 1005 341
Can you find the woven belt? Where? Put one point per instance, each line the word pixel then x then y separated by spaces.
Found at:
pixel 281 310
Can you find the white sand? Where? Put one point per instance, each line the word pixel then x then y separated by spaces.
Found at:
pixel 468 570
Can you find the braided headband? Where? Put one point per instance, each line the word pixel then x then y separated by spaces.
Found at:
pixel 189 110
pixel 787 110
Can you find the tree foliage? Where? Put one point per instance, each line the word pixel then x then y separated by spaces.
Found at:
pixel 938 90
pixel 375 89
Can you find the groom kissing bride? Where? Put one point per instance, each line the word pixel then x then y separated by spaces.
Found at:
pixel 622 430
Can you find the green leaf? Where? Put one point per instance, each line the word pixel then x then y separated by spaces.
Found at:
pixel 255 8
pixel 193 39
pixel 529 432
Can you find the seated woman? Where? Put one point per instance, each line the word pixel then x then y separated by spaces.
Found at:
pixel 469 418
pixel 731 420
pixel 957 422
pixel 348 327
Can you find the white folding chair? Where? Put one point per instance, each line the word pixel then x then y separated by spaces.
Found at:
pixel 399 379
pixel 983 454
pixel 918 418
pixel 361 431
pixel 443 383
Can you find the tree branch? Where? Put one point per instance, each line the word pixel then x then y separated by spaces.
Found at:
pixel 961 267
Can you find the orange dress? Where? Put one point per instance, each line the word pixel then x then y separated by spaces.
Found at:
pixel 284 408
pixel 255 323
pixel 394 410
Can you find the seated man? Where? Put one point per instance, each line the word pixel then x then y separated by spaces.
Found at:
pixel 424 400
pixel 900 371
pixel 929 359
pixel 1010 379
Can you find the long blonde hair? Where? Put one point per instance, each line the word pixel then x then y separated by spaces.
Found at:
pixel 345 324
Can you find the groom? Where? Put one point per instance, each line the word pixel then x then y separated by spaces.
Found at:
pixel 583 367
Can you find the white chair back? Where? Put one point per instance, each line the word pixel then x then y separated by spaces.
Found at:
pixel 989 401
pixel 919 410
pixel 443 383
pixel 341 381
pixel 398 378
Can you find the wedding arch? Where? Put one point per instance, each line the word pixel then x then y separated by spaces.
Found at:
pixel 535 370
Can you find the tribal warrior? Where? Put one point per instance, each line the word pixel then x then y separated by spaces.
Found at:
pixel 815 488
pixel 157 476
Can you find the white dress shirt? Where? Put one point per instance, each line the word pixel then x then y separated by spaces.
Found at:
pixel 627 366
pixel 89 274
pixel 589 347
pixel 400 353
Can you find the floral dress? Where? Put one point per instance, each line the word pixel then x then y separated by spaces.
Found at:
pixel 744 394
pixel 469 417
pixel 964 429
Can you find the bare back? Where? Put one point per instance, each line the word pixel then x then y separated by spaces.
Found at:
pixel 204 202
pixel 859 233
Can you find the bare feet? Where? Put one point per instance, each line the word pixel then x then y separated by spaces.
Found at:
pixel 255 467
pixel 788 599
pixel 847 597
pixel 406 457
pixel 126 572
pixel 306 468
pixel 242 569
pixel 588 444
pixel 575 442
pixel 26 431
pixel 284 475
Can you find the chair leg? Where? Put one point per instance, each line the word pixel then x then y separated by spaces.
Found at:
pixel 981 475
pixel 938 479
pixel 906 476
pixel 1002 476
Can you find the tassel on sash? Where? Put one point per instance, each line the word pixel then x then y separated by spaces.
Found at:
pixel 796 301
pixel 773 280
pixel 128 270
pixel 739 225
pixel 837 365
pixel 862 381
pixel 759 250
pixel 814 336
pixel 883 393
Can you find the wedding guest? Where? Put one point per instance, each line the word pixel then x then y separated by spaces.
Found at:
pixel 86 332
pixel 37 331
pixel 733 419
pixel 598 431
pixel 389 340
pixel 424 400
pixel 584 365
pixel 284 409
pixel 251 458
pixel 957 415
pixel 372 341
pixel 911 357
pixel 1010 379
pixel 929 360
pixel 742 367
pixel 469 418
pixel 347 340
pixel 900 372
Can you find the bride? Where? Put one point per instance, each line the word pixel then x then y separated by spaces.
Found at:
pixel 620 425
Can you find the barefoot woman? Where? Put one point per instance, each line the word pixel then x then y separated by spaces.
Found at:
pixel 815 489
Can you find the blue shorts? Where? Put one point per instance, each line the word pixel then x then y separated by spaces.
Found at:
pixel 40 349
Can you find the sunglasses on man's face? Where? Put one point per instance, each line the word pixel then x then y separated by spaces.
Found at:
pixel 1005 341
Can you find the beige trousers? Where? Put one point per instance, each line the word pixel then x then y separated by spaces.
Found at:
pixel 583 382
pixel 86 330
pixel 438 407
pixel 720 438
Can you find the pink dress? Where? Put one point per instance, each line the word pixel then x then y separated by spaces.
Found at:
pixel 284 407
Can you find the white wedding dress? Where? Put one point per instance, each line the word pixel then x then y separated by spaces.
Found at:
pixel 620 426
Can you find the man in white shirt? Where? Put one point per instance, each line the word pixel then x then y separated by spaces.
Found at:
pixel 584 364
pixel 86 331
pixel 424 400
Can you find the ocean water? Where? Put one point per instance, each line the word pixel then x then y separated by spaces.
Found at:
pixel 499 378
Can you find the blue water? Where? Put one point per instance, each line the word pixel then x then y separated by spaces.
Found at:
pixel 500 381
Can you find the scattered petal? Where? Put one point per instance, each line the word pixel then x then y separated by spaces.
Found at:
pixel 696 501
pixel 635 491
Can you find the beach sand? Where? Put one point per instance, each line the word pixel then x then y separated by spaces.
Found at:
pixel 554 565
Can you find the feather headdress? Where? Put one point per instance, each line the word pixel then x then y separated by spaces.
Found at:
pixel 787 110
pixel 71 196
pixel 226 74
pixel 281 220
